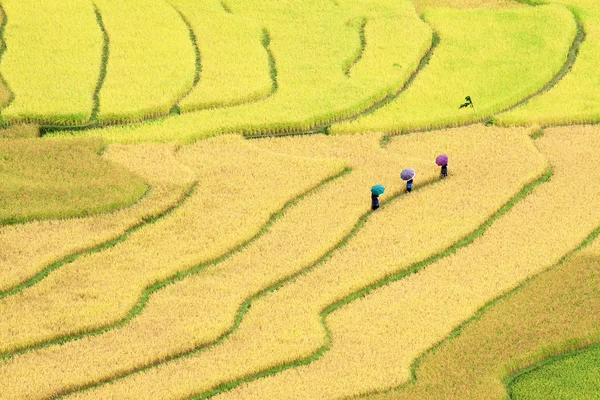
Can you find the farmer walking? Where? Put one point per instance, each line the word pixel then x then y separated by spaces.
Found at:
pixel 442 161
pixel 376 190
pixel 408 174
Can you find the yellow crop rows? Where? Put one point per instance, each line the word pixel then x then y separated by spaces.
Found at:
pixel 496 57
pixel 313 88
pixel 235 65
pixel 376 339
pixel 53 49
pixel 300 236
pixel 151 59
pixel 280 328
pixel 27 248
pixel 207 225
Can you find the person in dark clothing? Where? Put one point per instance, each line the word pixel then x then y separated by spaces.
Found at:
pixel 374 202
pixel 409 185
pixel 444 172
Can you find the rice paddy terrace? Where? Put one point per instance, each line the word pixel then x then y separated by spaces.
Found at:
pixel 184 199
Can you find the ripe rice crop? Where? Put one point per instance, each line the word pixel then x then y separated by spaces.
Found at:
pixel 376 339
pixel 60 178
pixel 235 65
pixel 239 188
pixel 554 312
pixel 52 60
pixel 20 132
pixel 312 86
pixel 294 242
pixel 575 98
pixel 151 60
pixel 280 327
pixel 28 248
pixel 496 57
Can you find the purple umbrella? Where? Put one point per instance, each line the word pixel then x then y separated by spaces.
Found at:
pixel 442 159
pixel 407 174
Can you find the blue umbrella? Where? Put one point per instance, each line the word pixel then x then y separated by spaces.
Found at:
pixel 407 174
pixel 377 189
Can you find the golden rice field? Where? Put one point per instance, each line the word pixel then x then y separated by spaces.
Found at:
pixel 185 206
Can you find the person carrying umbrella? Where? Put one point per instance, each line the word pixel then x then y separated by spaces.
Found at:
pixel 376 191
pixel 442 161
pixel 408 174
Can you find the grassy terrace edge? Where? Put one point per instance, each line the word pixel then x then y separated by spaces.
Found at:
pixel 245 305
pixel 153 287
pixel 103 66
pixel 361 48
pixel 198 67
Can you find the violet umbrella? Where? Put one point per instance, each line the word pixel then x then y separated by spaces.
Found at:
pixel 407 174
pixel 441 160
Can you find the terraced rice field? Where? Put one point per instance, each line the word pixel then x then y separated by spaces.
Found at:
pixel 185 199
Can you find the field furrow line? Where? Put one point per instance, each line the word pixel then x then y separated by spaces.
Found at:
pixel 225 7
pixel 198 70
pixel 188 244
pixel 298 339
pixel 103 63
pixel 266 42
pixel 376 339
pixel 361 47
pixel 236 58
